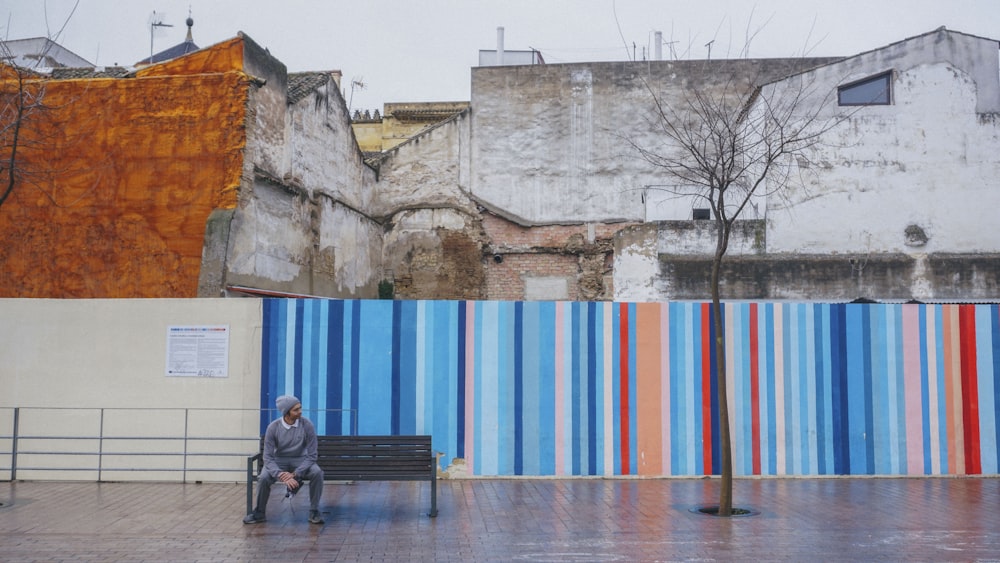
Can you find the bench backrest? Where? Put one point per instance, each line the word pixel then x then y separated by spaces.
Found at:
pixel 376 458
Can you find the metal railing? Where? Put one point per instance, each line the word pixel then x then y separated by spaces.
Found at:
pixel 167 444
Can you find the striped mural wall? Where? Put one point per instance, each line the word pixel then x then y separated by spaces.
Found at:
pixel 585 388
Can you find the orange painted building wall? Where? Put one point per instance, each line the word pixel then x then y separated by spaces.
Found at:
pixel 118 176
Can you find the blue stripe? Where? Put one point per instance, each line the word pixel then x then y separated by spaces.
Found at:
pixel 838 391
pixel 575 392
pixel 925 400
pixel 591 389
pixel 335 366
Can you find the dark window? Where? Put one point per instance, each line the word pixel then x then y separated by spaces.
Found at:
pixel 701 214
pixel 872 91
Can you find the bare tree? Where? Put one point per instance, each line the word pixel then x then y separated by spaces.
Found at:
pixel 22 92
pixel 22 95
pixel 727 146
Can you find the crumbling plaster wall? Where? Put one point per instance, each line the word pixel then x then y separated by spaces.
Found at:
pixel 434 240
pixel 551 143
pixel 304 224
pixel 916 177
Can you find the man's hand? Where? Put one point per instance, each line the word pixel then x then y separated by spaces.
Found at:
pixel 288 479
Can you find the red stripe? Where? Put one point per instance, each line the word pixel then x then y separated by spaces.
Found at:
pixel 754 390
pixel 707 345
pixel 970 389
pixel 623 383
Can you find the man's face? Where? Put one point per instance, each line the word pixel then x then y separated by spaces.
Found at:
pixel 294 413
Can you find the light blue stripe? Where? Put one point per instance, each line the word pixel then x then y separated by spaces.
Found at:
pixel 810 463
pixel 898 390
pixel 531 392
pixel 769 404
pixel 741 332
pixel 375 365
pixel 942 394
pixel 347 361
pixel 322 368
pixel 307 357
pixel 678 463
pixel 987 406
pixel 488 385
pixel 449 435
pixel 692 378
pixel 790 388
pixel 883 408
pixel 423 364
pixel 567 389
pixel 505 388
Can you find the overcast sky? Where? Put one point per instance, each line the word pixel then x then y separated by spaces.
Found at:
pixel 422 50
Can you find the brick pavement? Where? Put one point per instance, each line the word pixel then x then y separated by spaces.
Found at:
pixel 835 519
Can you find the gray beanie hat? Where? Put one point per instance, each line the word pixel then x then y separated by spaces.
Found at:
pixel 285 403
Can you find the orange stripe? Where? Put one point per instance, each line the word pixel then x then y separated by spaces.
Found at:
pixel 649 438
pixel 952 390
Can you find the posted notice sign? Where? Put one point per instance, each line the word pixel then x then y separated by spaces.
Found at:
pixel 198 351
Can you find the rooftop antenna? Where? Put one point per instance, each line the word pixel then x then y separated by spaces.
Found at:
pixel 358 83
pixel 673 53
pixel 155 21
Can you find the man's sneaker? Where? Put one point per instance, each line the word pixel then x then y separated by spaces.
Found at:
pixel 254 518
pixel 315 517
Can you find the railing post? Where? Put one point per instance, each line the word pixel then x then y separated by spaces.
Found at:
pixel 184 473
pixel 100 448
pixel 13 453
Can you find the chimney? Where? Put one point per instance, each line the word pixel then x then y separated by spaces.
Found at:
pixel 499 46
pixel 658 50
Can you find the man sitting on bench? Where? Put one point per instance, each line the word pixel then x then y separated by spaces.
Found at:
pixel 290 455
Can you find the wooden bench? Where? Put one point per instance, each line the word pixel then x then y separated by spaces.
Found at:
pixel 366 458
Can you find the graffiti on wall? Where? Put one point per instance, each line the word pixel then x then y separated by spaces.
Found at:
pixel 600 388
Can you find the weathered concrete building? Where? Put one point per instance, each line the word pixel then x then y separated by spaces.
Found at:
pixel 893 202
pixel 220 173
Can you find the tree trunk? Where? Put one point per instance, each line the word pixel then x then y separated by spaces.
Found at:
pixel 725 441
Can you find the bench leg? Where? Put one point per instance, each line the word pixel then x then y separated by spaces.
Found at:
pixel 434 498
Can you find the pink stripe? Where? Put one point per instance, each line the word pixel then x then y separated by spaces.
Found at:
pixel 470 386
pixel 559 389
pixel 911 379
